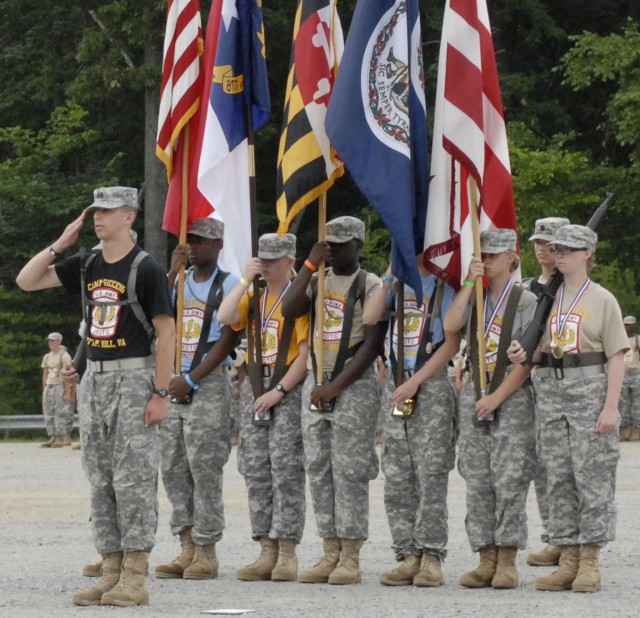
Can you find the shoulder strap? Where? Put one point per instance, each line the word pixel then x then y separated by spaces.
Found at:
pixel 214 299
pixel 132 295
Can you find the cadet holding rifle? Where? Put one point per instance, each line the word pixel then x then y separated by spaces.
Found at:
pixel 580 373
pixel 497 457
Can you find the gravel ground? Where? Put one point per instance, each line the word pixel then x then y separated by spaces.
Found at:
pixel 45 539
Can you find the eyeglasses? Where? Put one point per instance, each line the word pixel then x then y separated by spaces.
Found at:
pixel 564 250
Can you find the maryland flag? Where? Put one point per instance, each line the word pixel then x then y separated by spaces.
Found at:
pixel 307 164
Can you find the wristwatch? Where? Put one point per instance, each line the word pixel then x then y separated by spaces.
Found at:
pixel 281 389
pixel 161 392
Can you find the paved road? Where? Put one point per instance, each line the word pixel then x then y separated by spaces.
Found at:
pixel 45 539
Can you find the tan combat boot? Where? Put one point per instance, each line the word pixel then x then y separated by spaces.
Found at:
pixel 482 575
pixel 57 443
pixel 549 555
pixel 286 569
pixel 634 434
pixel 562 578
pixel 92 570
pixel 319 572
pixel 204 564
pixel 403 574
pixel 348 569
pixel 131 588
pixel 430 575
pixel 111 566
pixel 66 440
pixel 588 578
pixel 624 434
pixel 49 442
pixel 261 569
pixel 175 569
pixel 506 572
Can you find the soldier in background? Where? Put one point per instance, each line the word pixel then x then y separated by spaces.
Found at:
pixel 339 415
pixel 58 396
pixel 630 395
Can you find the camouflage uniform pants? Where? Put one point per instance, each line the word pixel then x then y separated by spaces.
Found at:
pixel 270 460
pixel 630 399
pixel 196 442
pixel 418 454
pixel 340 457
pixel 120 457
pixel 581 464
pixel 58 413
pixel 498 464
pixel 540 481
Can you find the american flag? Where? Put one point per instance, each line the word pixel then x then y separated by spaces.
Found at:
pixel 181 76
pixel 469 142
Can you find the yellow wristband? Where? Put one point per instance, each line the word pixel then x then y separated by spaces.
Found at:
pixel 469 284
pixel 245 282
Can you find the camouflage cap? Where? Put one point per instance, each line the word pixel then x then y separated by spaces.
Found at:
pixel 53 337
pixel 272 246
pixel 114 197
pixel 575 237
pixel 213 229
pixel 498 240
pixel 629 320
pixel 343 229
pixel 545 229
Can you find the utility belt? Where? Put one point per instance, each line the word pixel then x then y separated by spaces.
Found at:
pixel 102 366
pixel 632 371
pixel 571 366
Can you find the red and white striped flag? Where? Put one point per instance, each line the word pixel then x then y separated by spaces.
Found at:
pixel 469 141
pixel 181 79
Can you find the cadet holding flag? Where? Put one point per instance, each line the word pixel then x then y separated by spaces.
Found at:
pixel 497 429
pixel 419 439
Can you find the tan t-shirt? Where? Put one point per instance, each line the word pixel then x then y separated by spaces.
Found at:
pixel 53 363
pixel 594 325
pixel 335 299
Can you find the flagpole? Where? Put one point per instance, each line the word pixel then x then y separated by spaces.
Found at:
pixel 475 226
pixel 322 223
pixel 182 239
pixel 254 242
pixel 400 329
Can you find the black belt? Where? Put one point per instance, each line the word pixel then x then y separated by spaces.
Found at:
pixel 573 361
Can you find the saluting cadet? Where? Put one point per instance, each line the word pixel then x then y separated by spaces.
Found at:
pixel 339 415
pixel 497 429
pixel 196 437
pixel 419 436
pixel 270 447
pixel 122 400
pixel 579 377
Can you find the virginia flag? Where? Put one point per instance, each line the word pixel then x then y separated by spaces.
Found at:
pixel 180 96
pixel 377 122
pixel 307 165
pixel 237 79
pixel 469 141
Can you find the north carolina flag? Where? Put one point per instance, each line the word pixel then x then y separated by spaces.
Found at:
pixel 307 164
pixel 377 122
pixel 238 78
pixel 469 141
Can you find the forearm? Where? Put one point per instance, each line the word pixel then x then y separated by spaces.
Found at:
pixel 295 302
pixel 439 359
pixel 298 369
pixel 165 351
pixel 512 382
pixel 216 355
pixel 615 377
pixel 38 273
pixel 455 317
pixel 227 312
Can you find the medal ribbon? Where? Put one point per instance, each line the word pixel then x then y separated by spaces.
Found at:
pixel 265 317
pixel 563 321
pixel 488 323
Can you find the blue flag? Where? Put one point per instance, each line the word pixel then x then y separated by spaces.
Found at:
pixel 378 124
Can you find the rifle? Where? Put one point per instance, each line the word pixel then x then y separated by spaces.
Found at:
pixel 532 336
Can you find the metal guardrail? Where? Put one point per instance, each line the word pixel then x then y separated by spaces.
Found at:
pixel 24 422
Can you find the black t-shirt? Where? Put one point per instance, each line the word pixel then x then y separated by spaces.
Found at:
pixel 119 334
